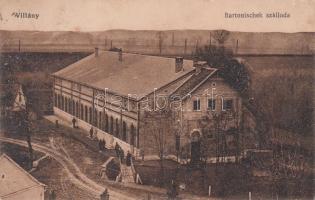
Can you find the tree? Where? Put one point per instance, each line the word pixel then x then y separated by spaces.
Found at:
pixel 233 71
pixel 288 168
pixel 230 69
pixel 158 125
pixel 25 127
pixel 221 36
pixel 215 126
pixel 161 36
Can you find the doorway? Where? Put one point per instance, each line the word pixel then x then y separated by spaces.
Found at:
pixel 195 147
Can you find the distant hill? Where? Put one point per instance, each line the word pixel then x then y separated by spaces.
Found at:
pixel 147 41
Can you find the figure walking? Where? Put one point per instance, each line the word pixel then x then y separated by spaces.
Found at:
pixel 128 159
pixel 73 122
pixel 91 132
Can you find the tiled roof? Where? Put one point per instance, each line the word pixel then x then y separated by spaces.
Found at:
pixel 135 74
pixel 14 178
pixel 194 82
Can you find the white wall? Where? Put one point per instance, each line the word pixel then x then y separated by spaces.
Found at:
pixel 35 193
pixel 110 139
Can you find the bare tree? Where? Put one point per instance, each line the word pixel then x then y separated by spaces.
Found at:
pixel 221 36
pixel 25 127
pixel 158 126
pixel 215 127
pixel 161 36
pixel 289 166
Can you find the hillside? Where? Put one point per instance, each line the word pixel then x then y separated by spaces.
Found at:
pixel 148 42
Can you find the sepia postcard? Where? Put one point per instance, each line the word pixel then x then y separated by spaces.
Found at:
pixel 157 99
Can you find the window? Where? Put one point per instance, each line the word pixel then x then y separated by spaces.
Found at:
pixel 132 135
pixel 90 115
pixel 124 132
pixel 100 120
pixel 86 113
pixel 62 103
pixel 82 111
pixel 196 105
pixel 77 109
pixel 66 104
pixel 56 99
pixel 227 104
pixel 117 128
pixel 211 104
pixel 106 122
pixel 111 125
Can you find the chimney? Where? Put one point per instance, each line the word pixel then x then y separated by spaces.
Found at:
pixel 179 62
pixel 120 55
pixel 96 51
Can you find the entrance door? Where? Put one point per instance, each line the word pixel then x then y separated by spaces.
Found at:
pixel 195 147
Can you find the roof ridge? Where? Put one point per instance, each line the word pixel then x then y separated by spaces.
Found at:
pixel 146 55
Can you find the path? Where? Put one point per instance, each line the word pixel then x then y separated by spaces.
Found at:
pixel 72 170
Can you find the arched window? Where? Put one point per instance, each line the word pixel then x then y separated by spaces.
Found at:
pixel 90 115
pixel 86 113
pixel 132 134
pixel 95 119
pixel 69 106
pixel 59 101
pixel 82 111
pixel 56 100
pixel 111 125
pixel 77 112
pixel 117 128
pixel 62 103
pixel 100 122
pixel 73 108
pixel 106 123
pixel 66 104
pixel 124 132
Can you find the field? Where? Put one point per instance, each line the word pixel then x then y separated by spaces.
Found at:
pixel 173 42
pixel 283 88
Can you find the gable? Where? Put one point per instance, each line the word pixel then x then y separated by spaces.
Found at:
pixel 14 178
pixel 215 86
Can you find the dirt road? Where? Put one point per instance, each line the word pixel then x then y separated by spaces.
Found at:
pixel 73 171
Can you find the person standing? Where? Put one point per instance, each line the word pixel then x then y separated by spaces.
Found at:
pixel 172 191
pixel 73 122
pixel 91 132
pixel 117 149
pixel 121 155
pixel 128 159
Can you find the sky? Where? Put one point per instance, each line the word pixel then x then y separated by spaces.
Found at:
pixel 98 15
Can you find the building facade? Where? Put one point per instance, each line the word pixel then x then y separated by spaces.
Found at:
pixel 151 106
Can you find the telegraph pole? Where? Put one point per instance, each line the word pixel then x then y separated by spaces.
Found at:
pixel 185 49
pixel 197 45
pixel 236 49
